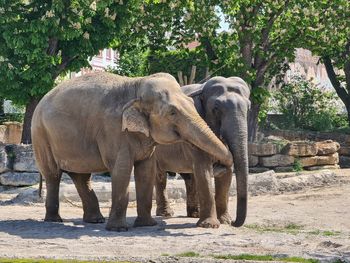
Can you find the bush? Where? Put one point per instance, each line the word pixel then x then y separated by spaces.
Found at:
pixel 11 117
pixel 307 106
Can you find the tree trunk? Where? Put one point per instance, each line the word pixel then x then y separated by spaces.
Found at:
pixel 253 122
pixel 341 91
pixel 1 107
pixel 27 124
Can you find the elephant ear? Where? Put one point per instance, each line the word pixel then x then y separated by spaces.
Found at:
pixel 133 119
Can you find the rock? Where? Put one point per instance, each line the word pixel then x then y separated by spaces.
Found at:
pixel 302 181
pixel 255 170
pixel 276 160
pixel 3 159
pixel 285 169
pixel 344 150
pixel 24 158
pixel 176 190
pixel 262 149
pixel 11 132
pixel 262 183
pixel 3 129
pixel 320 160
pixel 19 179
pixel 344 161
pixel 253 160
pixel 322 167
pixel 327 147
pixel 301 148
pixel 278 141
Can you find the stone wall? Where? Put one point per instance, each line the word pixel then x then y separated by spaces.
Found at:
pixel 290 135
pixel 11 132
pixel 284 156
pixel 342 138
pixel 17 165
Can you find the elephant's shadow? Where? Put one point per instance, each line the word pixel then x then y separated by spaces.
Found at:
pixel 75 228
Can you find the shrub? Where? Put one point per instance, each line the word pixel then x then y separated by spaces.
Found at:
pixel 307 106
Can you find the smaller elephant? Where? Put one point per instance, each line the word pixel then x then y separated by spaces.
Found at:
pixel 184 158
pixel 223 103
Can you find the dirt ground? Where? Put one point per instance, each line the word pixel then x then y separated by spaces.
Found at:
pixel 309 223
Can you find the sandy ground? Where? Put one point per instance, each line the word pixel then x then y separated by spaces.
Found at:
pixel 292 224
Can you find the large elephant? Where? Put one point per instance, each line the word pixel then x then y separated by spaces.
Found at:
pixel 223 103
pixel 103 122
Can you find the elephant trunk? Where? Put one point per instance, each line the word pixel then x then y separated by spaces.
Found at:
pixel 236 136
pixel 197 132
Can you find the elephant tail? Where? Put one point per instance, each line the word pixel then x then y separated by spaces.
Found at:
pixel 40 185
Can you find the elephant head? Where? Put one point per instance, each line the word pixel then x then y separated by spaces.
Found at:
pixel 162 111
pixel 224 104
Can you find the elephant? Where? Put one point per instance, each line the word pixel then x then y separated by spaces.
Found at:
pixel 103 122
pixel 223 103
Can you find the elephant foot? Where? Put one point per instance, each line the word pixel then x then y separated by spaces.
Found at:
pixel 53 218
pixel 225 218
pixel 209 222
pixel 144 221
pixel 164 211
pixel 94 219
pixel 119 227
pixel 193 211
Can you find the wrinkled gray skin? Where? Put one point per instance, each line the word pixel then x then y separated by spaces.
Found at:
pixel 103 122
pixel 223 103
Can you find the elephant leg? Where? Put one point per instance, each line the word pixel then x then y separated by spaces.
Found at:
pixel 222 188
pixel 192 202
pixel 163 206
pixel 203 172
pixel 145 173
pixel 52 197
pixel 92 213
pixel 120 174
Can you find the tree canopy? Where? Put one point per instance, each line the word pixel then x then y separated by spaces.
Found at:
pixel 261 39
pixel 39 40
pixel 329 37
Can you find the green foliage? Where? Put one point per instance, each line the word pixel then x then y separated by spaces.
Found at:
pixel 306 106
pixel 297 166
pixel 40 40
pixel 290 228
pixel 178 60
pixel 11 117
pixel 326 233
pixel 132 63
pixel 328 37
pixel 328 34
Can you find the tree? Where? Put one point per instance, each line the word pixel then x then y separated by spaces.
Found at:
pixel 261 39
pixel 329 38
pixel 40 40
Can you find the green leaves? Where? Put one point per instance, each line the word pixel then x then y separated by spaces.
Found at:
pixel 43 39
pixel 306 106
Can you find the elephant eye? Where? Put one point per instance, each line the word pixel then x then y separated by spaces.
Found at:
pixel 216 110
pixel 172 112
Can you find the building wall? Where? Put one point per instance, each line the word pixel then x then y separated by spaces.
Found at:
pixel 309 66
pixel 107 58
